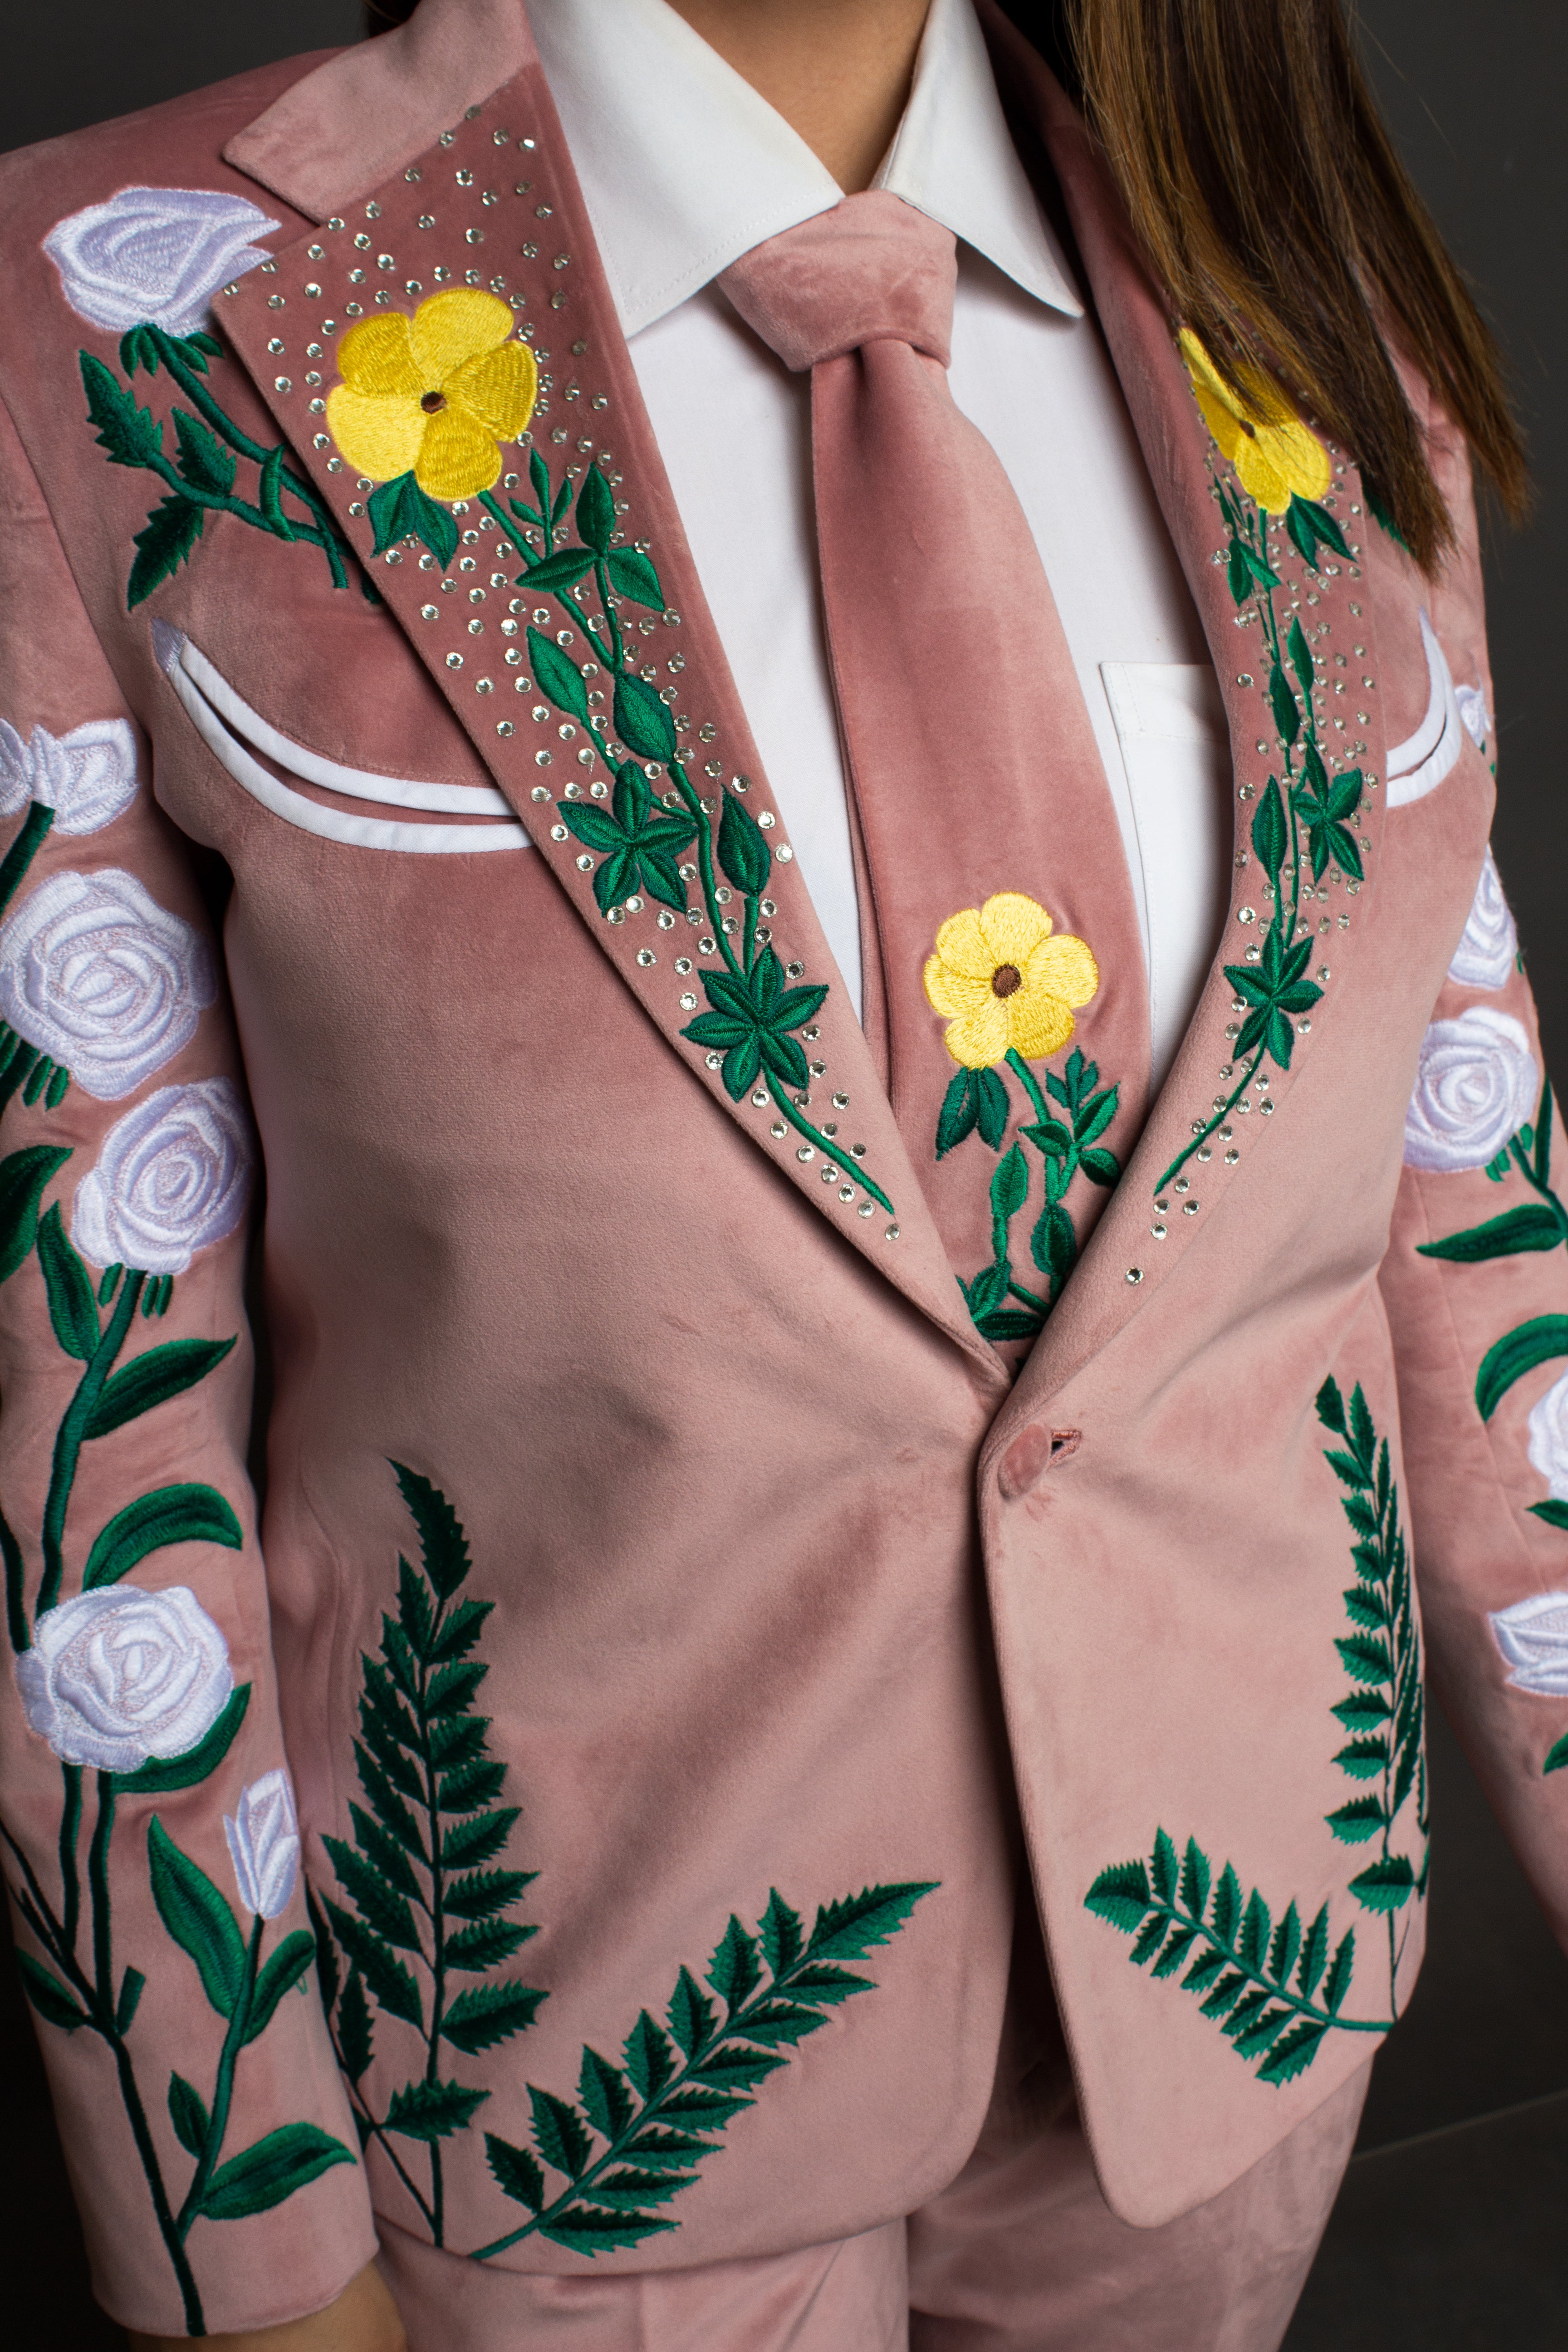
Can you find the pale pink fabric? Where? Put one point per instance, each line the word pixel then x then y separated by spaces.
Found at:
pixel 973 760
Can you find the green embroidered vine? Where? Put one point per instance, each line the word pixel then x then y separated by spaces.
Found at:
pixel 416 1873
pixel 1272 1988
pixel 1069 1146
pixel 757 1013
pixel 199 478
pixel 1306 818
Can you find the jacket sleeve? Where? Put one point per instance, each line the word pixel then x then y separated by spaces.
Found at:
pixel 1476 1286
pixel 151 1843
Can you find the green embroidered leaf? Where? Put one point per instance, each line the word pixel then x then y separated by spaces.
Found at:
pixel 1053 1244
pixel 1224 1998
pixel 1164 1868
pixel 587 2230
pixel 781 1935
pixel 388 1980
pixel 472 1787
pixel 649 2055
pixel 453 1688
pixel 391 1810
pixel 1256 1928
pixel 1353 1824
pixel 1287 1943
pixel 1009 1323
pixel 202 460
pixel 1270 831
pixel 1150 1937
pixel 1363 1711
pixel 443 1546
pixel 560 2133
pixel 188 2114
pixel 1554 1513
pixel 23 1176
pixel 482 2015
pixel 1365 1660
pixel 400 509
pixel 152 1379
pixel 1238 572
pixel 642 720
pixel 750 1020
pixel 458 1631
pixel 53 2003
pixel 625 2192
pixel 385 1852
pixel 1383 1886
pixel 632 575
pixel 1100 1167
pixel 1204 1968
pixel 1320 522
pixel 468 1844
pixel 1302 661
pixel 271 2170
pixel 1010 1184
pixel 73 1312
pixel 354 2029
pixel 162 544
pixel 777 2023
pixel 690 2015
pixel 1518 1352
pixel 1121 1895
pixel 735 1971
pixel 959 1112
pixel 485 1945
pixel 595 512
pixel 197 1917
pixel 1314 1954
pixel 280 1975
pixel 433 2111
pixel 607 2101
pixel 1287 712
pixel 744 851
pixel 735 2069
pixel 516 2173
pixel 1532 1226
pixel 1363 1760
pixel 1195 1878
pixel 171 1515
pixel 989 1288
pixel 1227 1905
pixel 1336 1984
pixel 381 1907
pixel 1293 2054
pixel 132 1985
pixel 160 1775
pixel 1556 1757
pixel 132 435
pixel 848 1930
pixel 269 495
pixel 558 675
pixel 1181 1943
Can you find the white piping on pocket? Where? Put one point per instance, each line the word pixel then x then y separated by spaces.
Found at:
pixel 222 718
pixel 1418 765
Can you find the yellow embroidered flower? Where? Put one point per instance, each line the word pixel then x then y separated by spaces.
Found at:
pixel 1275 457
pixel 434 395
pixel 1001 978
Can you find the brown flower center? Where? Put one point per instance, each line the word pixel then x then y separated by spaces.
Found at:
pixel 433 402
pixel 1006 979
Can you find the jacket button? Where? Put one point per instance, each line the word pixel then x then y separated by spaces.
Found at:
pixel 1034 1451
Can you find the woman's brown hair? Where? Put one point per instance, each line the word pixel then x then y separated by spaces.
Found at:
pixel 1269 202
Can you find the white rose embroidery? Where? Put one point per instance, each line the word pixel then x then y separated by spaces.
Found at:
pixel 1533 1638
pixel 172 1176
pixel 88 777
pixel 98 976
pixel 1548 1439
pixel 157 255
pixel 264 1844
pixel 1489 944
pixel 1473 711
pixel 1475 1084
pixel 116 1679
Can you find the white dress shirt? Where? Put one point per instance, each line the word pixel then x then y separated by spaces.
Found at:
pixel 685 167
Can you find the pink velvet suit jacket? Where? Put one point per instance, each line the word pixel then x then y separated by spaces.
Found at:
pixel 656 1807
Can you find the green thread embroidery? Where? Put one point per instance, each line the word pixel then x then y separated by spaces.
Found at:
pixel 417 1874
pixel 199 479
pixel 757 1019
pixel 1272 1988
pixel 78 1991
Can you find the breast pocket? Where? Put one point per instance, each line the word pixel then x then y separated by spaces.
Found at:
pixel 271 767
pixel 1175 751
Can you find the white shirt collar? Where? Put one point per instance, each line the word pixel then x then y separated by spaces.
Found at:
pixel 685 167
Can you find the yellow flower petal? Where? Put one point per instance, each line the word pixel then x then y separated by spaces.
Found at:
pixel 1230 435
pixel 1301 457
pixel 450 328
pixel 497 390
pixel 1260 474
pixel 964 946
pixel 982 1036
pixel 1038 1022
pixel 1065 966
pixel 458 458
pixel 1208 380
pixel 1014 926
pixel 380 434
pixel 953 993
pixel 376 357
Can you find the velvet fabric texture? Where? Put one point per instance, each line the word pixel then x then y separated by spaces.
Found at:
pixel 790 1586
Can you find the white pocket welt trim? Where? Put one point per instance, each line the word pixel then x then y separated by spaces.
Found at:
pixel 1418 765
pixel 219 730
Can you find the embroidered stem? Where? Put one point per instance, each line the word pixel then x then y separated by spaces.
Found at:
pixel 71 1435
pixel 71 1829
pixel 199 394
pixel 223 2088
pixel 23 850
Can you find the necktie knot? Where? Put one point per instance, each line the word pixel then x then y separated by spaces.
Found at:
pixel 871 271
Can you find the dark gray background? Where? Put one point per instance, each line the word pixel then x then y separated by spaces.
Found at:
pixel 1452 2231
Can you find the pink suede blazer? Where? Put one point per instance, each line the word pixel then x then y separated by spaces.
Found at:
pixel 575 1824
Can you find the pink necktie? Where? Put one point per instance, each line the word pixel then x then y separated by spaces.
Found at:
pixel 1003 967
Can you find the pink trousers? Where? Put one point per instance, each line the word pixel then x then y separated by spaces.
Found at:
pixel 1020 2253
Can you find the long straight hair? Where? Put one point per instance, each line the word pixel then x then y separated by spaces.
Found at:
pixel 1273 211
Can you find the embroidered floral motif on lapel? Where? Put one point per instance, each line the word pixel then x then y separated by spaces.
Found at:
pixel 532 586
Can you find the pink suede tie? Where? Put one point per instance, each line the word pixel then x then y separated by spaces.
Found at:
pixel 980 799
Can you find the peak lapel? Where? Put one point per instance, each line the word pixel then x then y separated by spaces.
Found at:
pixel 1271 629
pixel 681 867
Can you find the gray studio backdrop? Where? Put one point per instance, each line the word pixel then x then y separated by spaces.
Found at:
pixel 1475 90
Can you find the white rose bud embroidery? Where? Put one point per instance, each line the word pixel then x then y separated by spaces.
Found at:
pixel 1473 711
pixel 98 976
pixel 264 1844
pixel 1548 1439
pixel 157 255
pixel 88 777
pixel 1475 1084
pixel 173 1177
pixel 1533 1639
pixel 116 1679
pixel 1489 944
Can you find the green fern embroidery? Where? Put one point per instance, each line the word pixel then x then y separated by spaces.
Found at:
pixel 1273 1990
